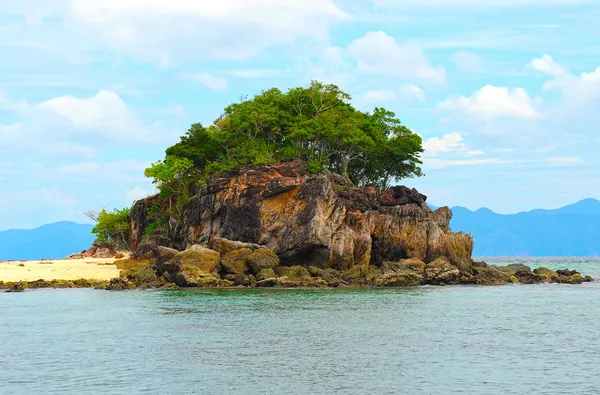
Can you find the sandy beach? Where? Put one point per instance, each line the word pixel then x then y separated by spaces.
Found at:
pixel 86 268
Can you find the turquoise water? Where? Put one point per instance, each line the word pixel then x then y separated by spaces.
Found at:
pixel 540 339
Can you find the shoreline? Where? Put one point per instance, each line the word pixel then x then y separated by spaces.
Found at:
pixel 91 269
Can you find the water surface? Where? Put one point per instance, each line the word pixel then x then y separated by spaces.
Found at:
pixel 427 340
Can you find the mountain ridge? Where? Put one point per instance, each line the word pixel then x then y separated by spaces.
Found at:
pixel 55 240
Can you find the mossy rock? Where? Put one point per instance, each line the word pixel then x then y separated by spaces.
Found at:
pixel 266 274
pixel 202 258
pixel 120 284
pixel 572 279
pixel 262 259
pixel 441 272
pixel 324 274
pixel 292 272
pixel 491 276
pixel 361 273
pixel 548 275
pixel 528 277
pixel 236 262
pixel 513 269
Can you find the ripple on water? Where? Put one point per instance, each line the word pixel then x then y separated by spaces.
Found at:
pixel 513 339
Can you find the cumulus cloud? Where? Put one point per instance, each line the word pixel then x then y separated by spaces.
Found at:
pixel 452 142
pixel 378 53
pixel 493 102
pixel 546 65
pixel 105 113
pixel 175 30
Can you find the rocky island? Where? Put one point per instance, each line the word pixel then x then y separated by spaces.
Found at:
pixel 279 226
pixel 294 189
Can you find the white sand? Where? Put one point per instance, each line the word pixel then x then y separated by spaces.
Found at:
pixel 87 268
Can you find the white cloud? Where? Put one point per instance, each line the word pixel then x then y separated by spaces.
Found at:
pixel 174 30
pixel 452 142
pixel 494 102
pixel 378 53
pixel 136 193
pixel 410 92
pixel 105 113
pixel 546 65
pixel 212 82
pixel 380 95
pixel 467 61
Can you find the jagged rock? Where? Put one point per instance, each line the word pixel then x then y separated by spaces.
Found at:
pixel 163 255
pixel 408 272
pixel 265 274
pixel 440 272
pixel 262 259
pixel 315 221
pixel 236 262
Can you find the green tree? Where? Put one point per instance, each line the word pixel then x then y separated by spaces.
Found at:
pixel 112 227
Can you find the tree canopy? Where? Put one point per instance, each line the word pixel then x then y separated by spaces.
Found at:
pixel 315 123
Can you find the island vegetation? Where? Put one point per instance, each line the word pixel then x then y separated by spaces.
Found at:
pixel 316 124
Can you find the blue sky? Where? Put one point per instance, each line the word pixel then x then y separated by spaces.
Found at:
pixel 504 93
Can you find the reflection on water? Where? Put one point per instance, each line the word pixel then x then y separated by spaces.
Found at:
pixel 429 340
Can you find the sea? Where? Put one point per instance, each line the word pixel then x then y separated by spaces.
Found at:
pixel 514 339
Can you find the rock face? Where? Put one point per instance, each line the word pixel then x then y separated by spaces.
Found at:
pixel 318 220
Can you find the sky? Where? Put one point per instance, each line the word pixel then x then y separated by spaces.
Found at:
pixel 505 94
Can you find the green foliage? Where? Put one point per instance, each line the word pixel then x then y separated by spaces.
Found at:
pixel 112 227
pixel 315 123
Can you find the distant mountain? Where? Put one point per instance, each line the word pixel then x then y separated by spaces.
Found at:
pixel 572 230
pixel 49 241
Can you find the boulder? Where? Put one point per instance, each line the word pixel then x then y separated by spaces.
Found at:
pixel 204 259
pixel 548 275
pixel 236 262
pixel 292 272
pixel 441 272
pixel 408 272
pixel 266 274
pixel 262 259
pixel 225 246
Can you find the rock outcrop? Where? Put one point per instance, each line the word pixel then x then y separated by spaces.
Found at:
pixel 318 220
pixel 280 226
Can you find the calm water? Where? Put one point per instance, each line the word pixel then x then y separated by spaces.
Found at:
pixel 473 340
